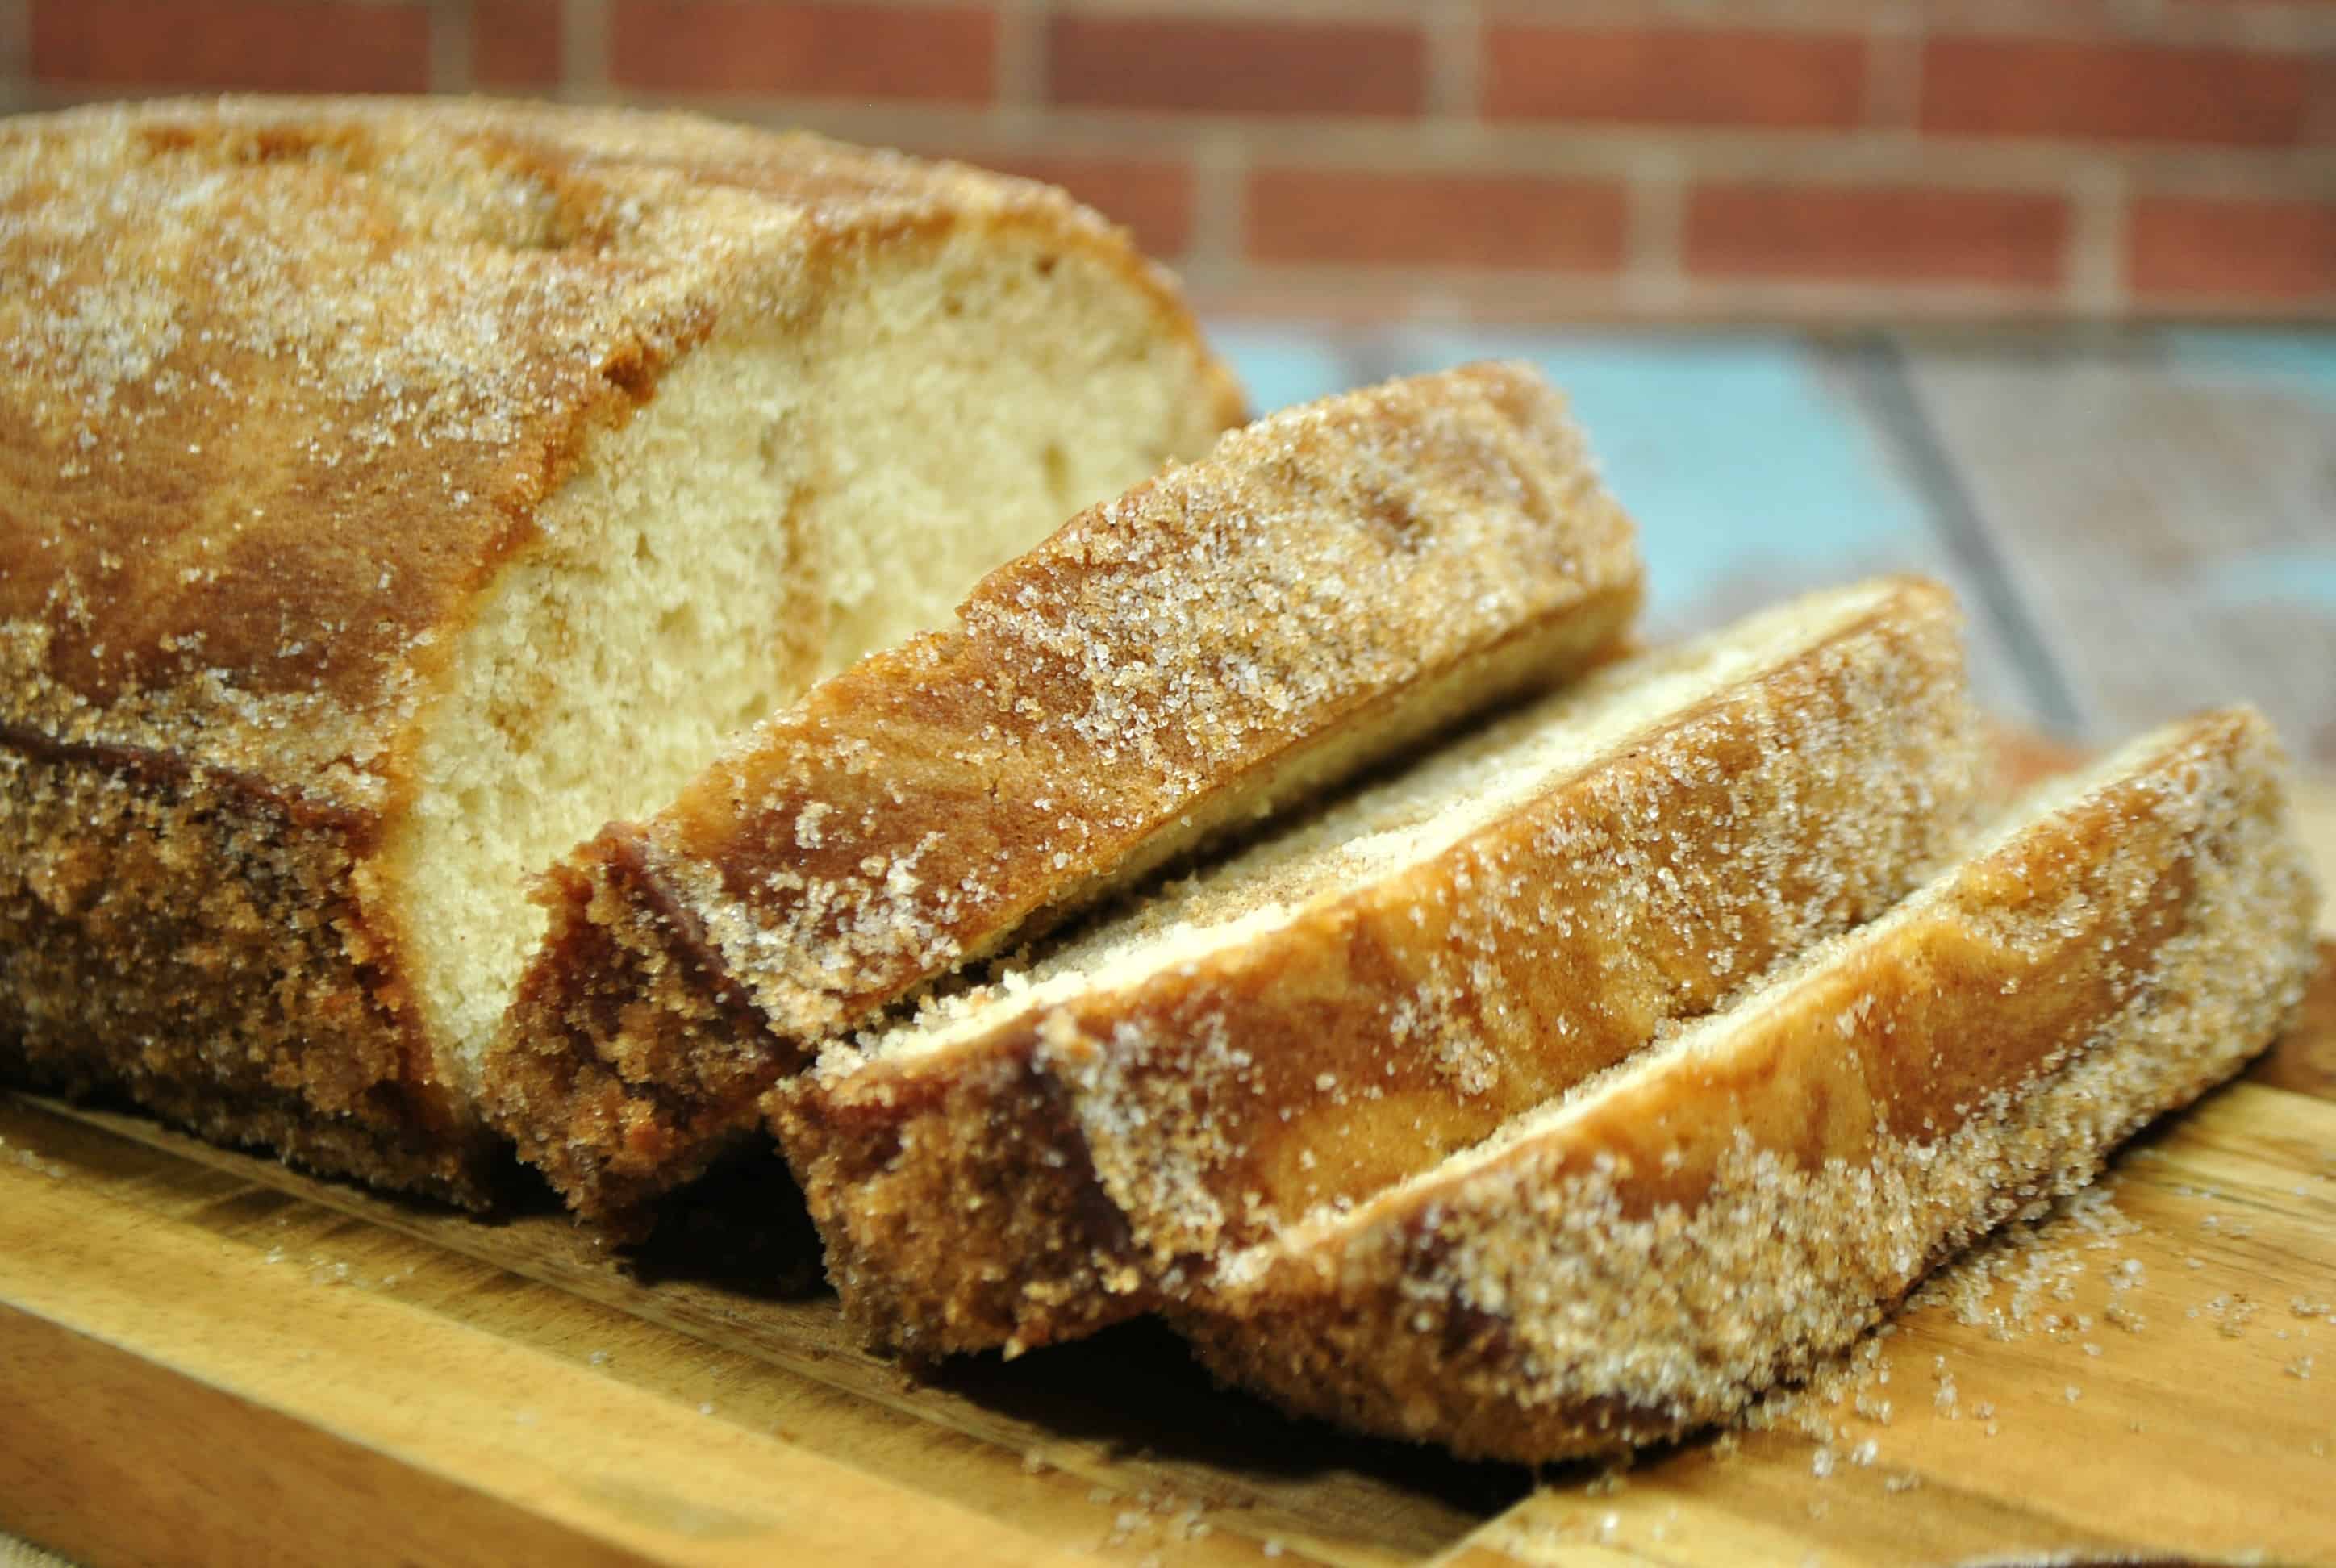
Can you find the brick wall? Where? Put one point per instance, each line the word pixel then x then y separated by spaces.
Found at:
pixel 1801 159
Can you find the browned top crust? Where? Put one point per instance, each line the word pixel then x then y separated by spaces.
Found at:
pixel 282 381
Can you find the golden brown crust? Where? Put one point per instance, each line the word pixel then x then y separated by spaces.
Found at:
pixel 120 942
pixel 1080 1158
pixel 676 1043
pixel 1644 1258
pixel 282 385
pixel 283 382
pixel 1217 640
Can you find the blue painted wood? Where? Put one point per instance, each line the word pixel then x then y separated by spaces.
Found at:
pixel 2296 359
pixel 2297 362
pixel 2168 502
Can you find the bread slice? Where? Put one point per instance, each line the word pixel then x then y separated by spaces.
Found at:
pixel 1357 996
pixel 1717 1215
pixel 1324 587
pixel 390 494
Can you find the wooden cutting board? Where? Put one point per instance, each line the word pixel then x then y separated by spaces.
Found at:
pixel 206 1357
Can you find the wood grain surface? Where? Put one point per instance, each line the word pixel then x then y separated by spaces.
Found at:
pixel 210 1357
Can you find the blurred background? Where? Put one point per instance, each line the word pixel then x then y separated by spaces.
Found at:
pixel 1811 160
pixel 2037 294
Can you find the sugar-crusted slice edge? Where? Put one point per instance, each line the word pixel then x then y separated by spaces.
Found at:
pixel 1331 584
pixel 1648 1254
pixel 1374 986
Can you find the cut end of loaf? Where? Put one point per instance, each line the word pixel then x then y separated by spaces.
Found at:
pixel 784 502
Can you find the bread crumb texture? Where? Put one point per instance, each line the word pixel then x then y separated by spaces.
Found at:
pixel 1387 980
pixel 1676 1236
pixel 1324 588
pixel 392 493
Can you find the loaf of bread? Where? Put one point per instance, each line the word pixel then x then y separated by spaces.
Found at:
pixel 1325 587
pixel 1385 981
pixel 1643 1257
pixel 393 493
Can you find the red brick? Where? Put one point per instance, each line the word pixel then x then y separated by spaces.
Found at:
pixel 1437 219
pixel 262 46
pixel 1154 199
pixel 1875 234
pixel 2192 247
pixel 1226 65
pixel 2113 90
pixel 515 43
pixel 1674 76
pixel 834 51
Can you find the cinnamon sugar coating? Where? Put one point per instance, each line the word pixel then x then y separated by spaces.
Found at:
pixel 284 386
pixel 1646 1256
pixel 1326 586
pixel 1356 998
pixel 150 913
pixel 283 380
